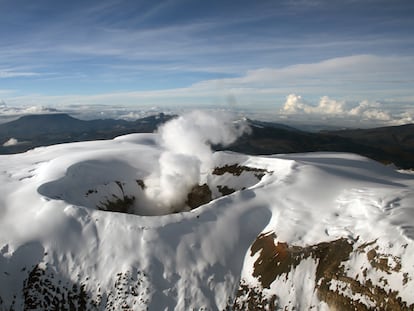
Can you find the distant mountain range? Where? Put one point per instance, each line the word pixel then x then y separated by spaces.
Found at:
pixel 386 144
pixel 43 130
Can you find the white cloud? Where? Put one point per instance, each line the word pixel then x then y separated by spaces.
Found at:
pixel 9 113
pixel 15 73
pixel 295 104
pixel 371 111
pixel 405 118
pixel 330 106
pixel 355 67
pixel 38 109
pixel 365 110
pixel 11 142
pixel 360 76
pixel 87 111
pixel 9 74
pixel 363 76
pixel 6 110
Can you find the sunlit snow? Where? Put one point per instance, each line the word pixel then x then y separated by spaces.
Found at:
pixel 197 258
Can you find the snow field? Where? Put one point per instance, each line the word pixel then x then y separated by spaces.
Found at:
pixel 196 259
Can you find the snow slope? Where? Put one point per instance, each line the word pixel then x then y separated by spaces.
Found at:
pixel 59 248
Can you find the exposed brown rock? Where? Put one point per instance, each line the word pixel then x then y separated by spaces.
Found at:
pixel 253 299
pixel 236 170
pixel 120 205
pixel 224 190
pixel 383 261
pixel 278 259
pixel 199 195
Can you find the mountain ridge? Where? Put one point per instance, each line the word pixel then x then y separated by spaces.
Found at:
pixel 393 144
pixel 378 145
pixel 48 129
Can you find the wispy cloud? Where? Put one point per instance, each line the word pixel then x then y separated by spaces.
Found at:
pixel 6 92
pixel 14 73
pixel 356 77
pixel 107 33
pixel 10 111
pixel 182 53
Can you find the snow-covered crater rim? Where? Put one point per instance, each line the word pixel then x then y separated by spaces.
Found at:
pixel 117 186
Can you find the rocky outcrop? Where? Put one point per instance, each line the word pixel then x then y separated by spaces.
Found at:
pixel 199 195
pixel 237 170
pixel 124 196
pixel 333 284
pixel 46 289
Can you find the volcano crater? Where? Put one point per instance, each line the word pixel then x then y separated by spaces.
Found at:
pixel 116 186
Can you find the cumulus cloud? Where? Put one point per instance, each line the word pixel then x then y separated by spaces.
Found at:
pixel 187 155
pixel 405 118
pixel 295 104
pixel 330 106
pixel 327 107
pixel 11 142
pixel 371 111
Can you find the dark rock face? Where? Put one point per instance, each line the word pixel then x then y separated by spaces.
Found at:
pixel 224 190
pixel 199 195
pixel 46 289
pixel 122 204
pixel 40 293
pixel 237 170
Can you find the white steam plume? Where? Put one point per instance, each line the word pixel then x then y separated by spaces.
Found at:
pixel 187 157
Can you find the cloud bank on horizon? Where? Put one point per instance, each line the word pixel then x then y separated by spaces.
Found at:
pixel 196 54
pixel 365 110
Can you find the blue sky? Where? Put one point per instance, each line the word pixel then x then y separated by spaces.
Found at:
pixel 249 54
